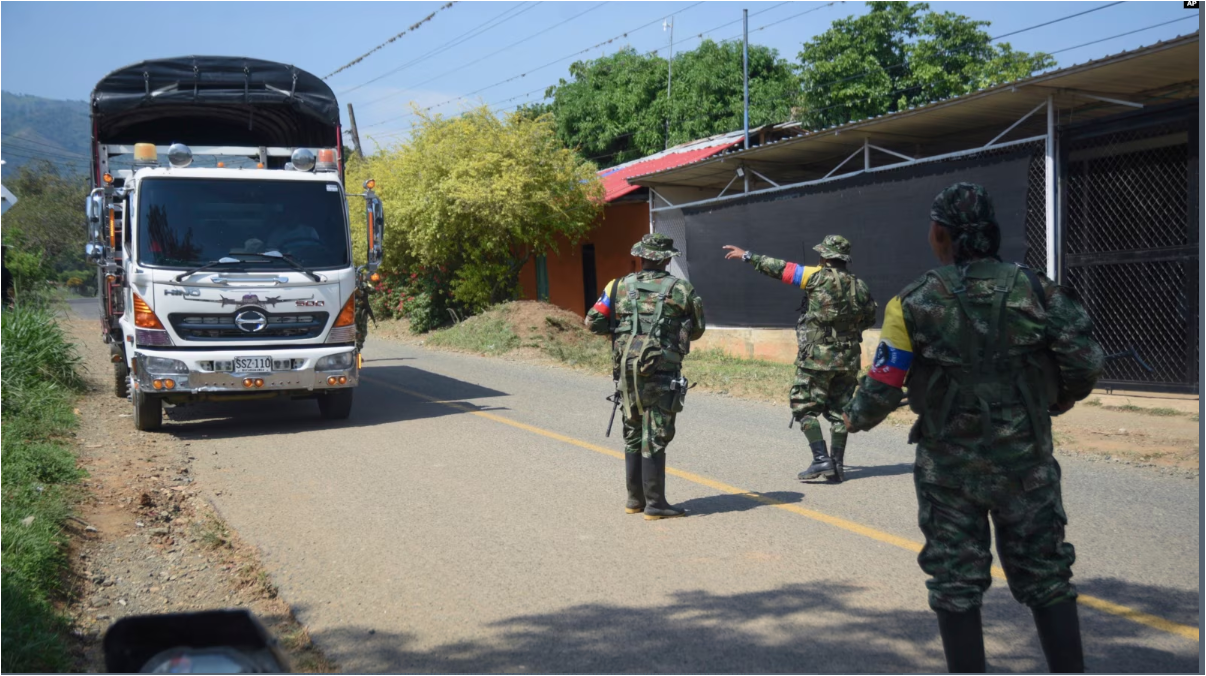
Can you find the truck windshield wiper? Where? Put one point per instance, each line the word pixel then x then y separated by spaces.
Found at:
pixel 225 260
pixel 277 255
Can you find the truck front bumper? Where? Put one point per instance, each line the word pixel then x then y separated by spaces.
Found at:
pixel 213 371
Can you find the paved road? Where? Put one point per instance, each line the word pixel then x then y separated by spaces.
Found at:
pixel 468 518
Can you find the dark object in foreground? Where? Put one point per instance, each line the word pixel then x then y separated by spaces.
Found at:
pixel 215 641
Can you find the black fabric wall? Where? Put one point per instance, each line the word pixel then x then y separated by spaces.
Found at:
pixel 885 215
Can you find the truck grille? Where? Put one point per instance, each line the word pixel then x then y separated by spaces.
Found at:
pixel 281 326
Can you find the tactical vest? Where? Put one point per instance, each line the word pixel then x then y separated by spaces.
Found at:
pixel 652 341
pixel 832 319
pixel 986 378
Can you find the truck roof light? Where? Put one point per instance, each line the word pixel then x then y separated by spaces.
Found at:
pixel 180 155
pixel 221 164
pixel 144 153
pixel 326 160
pixel 303 159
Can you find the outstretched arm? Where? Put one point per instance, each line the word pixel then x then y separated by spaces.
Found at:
pixel 793 274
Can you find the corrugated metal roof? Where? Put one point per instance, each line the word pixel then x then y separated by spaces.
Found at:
pixel 962 122
pixel 615 179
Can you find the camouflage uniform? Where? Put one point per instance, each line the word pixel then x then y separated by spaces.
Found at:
pixel 363 311
pixel 990 349
pixel 837 308
pixel 648 359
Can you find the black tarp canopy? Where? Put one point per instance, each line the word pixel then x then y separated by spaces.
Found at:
pixel 215 101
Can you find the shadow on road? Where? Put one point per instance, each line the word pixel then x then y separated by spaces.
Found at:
pixel 701 632
pixel 726 502
pixel 375 404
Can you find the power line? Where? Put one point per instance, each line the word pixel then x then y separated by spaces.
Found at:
pixel 1065 18
pixel 56 148
pixel 365 55
pixel 1137 30
pixel 700 35
pixel 49 153
pixel 483 58
pixel 493 22
pixel 564 58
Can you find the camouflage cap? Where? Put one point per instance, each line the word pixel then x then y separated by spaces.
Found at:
pixel 834 246
pixel 967 209
pixel 655 247
pixel 963 204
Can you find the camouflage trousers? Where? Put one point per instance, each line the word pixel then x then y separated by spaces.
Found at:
pixel 1028 518
pixel 362 318
pixel 649 432
pixel 821 393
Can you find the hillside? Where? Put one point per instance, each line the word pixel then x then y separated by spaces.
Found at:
pixel 33 127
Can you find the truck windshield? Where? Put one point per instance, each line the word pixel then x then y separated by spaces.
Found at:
pixel 187 222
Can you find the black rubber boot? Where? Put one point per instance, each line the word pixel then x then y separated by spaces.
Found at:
pixel 653 476
pixel 962 641
pixel 839 458
pixel 636 491
pixel 1059 634
pixel 821 464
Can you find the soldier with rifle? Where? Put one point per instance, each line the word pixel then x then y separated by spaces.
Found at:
pixel 652 317
pixel 989 352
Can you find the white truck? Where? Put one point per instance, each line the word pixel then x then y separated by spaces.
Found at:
pixel 219 222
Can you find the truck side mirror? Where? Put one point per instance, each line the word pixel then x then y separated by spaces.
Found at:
pixel 375 218
pixel 94 207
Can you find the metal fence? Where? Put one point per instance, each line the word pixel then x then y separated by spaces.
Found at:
pixel 1130 244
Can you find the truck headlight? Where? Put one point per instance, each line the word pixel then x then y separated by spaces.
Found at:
pixel 335 362
pixel 163 366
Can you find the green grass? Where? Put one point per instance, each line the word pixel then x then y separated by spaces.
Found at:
pixel 41 376
pixel 715 371
pixel 1159 412
pixel 488 333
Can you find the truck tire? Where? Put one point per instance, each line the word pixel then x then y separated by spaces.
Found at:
pixel 335 405
pixel 121 379
pixel 148 412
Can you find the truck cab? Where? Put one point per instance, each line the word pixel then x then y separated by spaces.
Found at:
pixel 225 252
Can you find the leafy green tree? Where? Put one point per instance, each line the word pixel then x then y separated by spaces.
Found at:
pixel 48 218
pixel 615 108
pixel 901 55
pixel 478 195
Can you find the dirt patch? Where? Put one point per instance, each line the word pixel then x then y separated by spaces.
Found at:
pixel 150 541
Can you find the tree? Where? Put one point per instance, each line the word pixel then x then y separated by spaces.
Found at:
pixel 901 55
pixel 615 108
pixel 48 218
pixel 478 195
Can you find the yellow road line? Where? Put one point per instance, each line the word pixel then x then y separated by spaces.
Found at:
pixel 1125 612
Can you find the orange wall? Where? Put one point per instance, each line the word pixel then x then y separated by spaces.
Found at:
pixel 621 226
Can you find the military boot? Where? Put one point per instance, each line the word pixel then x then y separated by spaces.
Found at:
pixel 636 491
pixel 839 459
pixel 821 464
pixel 962 641
pixel 653 476
pixel 1059 634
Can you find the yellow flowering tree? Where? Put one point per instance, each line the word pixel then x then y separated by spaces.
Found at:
pixel 477 195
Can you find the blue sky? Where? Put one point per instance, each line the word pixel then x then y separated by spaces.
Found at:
pixel 59 50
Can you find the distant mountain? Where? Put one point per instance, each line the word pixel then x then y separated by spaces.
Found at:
pixel 32 127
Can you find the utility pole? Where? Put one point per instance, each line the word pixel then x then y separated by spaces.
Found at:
pixel 355 133
pixel 745 68
pixel 668 24
pixel 745 65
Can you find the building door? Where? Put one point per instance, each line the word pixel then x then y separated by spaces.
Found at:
pixel 590 279
pixel 1130 242
pixel 542 278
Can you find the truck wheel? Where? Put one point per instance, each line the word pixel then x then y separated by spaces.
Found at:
pixel 121 379
pixel 336 405
pixel 148 412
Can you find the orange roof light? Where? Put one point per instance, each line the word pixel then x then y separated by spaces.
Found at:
pixel 326 155
pixel 145 152
pixel 347 316
pixel 221 164
pixel 144 316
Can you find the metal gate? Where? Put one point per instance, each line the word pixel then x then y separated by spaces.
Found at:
pixel 1129 211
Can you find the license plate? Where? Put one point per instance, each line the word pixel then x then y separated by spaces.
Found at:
pixel 253 364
